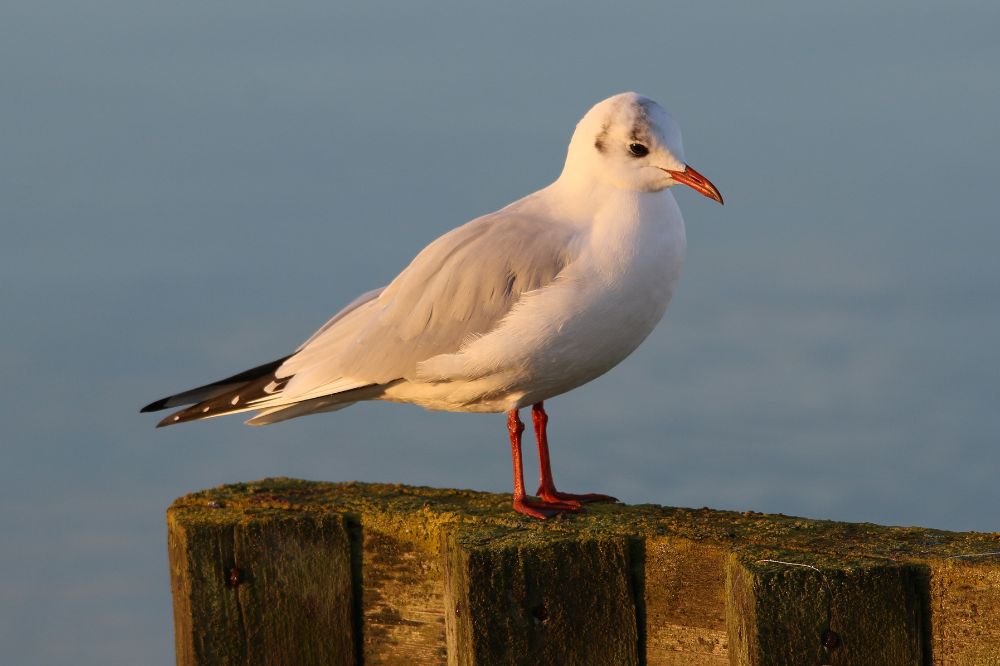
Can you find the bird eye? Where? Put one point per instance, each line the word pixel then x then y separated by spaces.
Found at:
pixel 638 149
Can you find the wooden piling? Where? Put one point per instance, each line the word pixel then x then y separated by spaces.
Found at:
pixel 282 571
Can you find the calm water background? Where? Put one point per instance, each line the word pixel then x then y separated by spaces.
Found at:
pixel 188 189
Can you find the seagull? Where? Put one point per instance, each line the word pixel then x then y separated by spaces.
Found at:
pixel 508 310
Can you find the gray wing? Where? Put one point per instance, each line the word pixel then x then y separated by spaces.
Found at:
pixel 458 288
pixel 346 310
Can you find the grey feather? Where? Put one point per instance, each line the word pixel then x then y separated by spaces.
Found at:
pixel 461 286
pixel 347 309
pixel 217 398
pixel 330 403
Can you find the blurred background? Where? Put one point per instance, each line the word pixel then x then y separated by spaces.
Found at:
pixel 188 189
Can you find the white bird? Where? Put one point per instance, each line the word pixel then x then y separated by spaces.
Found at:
pixel 508 310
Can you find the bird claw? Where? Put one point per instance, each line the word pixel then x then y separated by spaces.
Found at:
pixel 553 495
pixel 543 510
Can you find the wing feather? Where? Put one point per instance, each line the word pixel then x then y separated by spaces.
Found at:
pixel 458 288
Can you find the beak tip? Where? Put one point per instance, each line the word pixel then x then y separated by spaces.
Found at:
pixel 690 177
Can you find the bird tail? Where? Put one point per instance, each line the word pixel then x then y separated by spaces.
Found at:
pixel 225 396
pixel 330 403
pixel 257 389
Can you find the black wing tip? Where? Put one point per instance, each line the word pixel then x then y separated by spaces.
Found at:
pixel 155 406
pixel 200 393
pixel 176 417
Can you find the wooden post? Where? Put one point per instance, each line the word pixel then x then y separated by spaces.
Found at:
pixel 282 571
pixel 510 601
pixel 822 610
pixel 273 588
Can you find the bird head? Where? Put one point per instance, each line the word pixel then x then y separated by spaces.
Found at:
pixel 631 142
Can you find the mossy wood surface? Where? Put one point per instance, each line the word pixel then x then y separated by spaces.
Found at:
pixel 282 571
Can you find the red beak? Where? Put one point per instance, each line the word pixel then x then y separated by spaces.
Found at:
pixel 696 182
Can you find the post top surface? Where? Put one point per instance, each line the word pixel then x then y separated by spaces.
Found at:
pixel 485 520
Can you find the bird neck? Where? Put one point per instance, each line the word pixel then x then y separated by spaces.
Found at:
pixel 584 197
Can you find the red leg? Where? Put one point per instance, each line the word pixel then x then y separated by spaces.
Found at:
pixel 547 487
pixel 522 504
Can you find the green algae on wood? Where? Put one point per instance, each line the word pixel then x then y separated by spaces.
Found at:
pixel 789 608
pixel 510 603
pixel 260 589
pixel 388 574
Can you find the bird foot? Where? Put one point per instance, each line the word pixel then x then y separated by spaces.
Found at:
pixel 544 509
pixel 552 495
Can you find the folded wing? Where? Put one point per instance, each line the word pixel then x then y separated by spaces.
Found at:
pixel 458 288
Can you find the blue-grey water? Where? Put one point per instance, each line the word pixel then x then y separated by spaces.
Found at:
pixel 189 188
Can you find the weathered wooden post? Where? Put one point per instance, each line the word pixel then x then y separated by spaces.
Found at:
pixel 282 571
